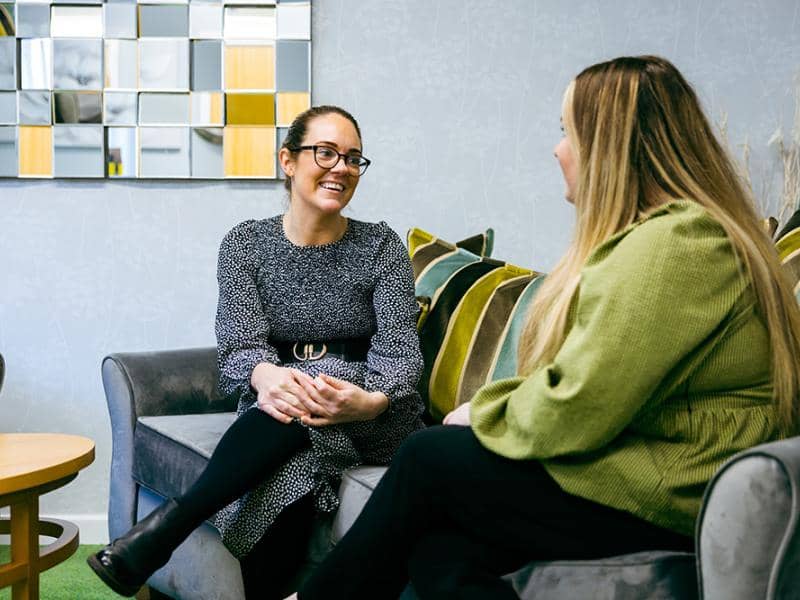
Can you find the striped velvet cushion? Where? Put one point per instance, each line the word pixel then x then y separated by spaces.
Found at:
pixel 788 244
pixel 473 307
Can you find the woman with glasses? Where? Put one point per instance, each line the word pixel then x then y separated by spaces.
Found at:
pixel 663 342
pixel 316 338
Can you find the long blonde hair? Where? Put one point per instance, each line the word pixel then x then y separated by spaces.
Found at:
pixel 641 139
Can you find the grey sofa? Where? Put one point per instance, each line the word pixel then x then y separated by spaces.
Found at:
pixel 167 415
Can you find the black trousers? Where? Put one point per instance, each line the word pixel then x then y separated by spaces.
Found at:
pixel 453 517
pixel 253 448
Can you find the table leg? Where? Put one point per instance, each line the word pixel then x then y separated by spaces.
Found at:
pixel 25 546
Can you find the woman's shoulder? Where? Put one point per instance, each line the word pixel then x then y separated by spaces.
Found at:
pixel 375 235
pixel 250 230
pixel 679 244
pixel 678 230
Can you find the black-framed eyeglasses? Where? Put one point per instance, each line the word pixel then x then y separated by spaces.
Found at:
pixel 327 158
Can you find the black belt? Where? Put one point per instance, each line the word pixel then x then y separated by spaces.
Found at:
pixel 350 350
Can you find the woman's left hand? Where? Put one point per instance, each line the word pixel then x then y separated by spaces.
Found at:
pixel 458 416
pixel 343 402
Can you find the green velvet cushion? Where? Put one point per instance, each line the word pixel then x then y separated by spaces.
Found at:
pixel 472 309
pixel 788 244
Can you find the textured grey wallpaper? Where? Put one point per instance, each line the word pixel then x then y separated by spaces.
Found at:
pixel 459 104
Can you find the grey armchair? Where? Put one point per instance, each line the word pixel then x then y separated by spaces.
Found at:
pixel 167 415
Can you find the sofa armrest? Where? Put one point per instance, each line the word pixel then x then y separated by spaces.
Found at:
pixel 151 384
pixel 747 533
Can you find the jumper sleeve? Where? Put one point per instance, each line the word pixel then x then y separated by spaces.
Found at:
pixel 241 326
pixel 394 360
pixel 647 298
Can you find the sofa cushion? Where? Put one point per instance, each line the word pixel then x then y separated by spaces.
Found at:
pixel 354 491
pixel 788 245
pixel 651 575
pixel 472 311
pixel 171 451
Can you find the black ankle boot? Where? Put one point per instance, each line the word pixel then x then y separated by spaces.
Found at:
pixel 126 563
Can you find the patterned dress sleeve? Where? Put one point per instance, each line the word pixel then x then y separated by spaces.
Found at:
pixel 241 325
pixel 394 360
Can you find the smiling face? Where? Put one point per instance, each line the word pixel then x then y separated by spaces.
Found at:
pixel 326 191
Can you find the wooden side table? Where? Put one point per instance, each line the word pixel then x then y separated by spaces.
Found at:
pixel 32 464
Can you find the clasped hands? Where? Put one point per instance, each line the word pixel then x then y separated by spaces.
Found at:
pixel 285 394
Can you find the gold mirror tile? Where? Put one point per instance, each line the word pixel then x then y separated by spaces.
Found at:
pixel 249 151
pixel 250 109
pixel 249 67
pixel 291 104
pixel 35 151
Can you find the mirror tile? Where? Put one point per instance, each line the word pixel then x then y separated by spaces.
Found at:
pixel 254 3
pixel 121 60
pixel 37 64
pixel 34 107
pixel 207 108
pixel 249 67
pixel 8 152
pixel 121 152
pixel 163 109
pixel 77 64
pixel 205 21
pixel 7 20
pixel 33 20
pixel 249 23
pixel 76 22
pixel 157 20
pixel 8 63
pixel 289 105
pixel 206 65
pixel 120 20
pixel 207 153
pixel 8 108
pixel 35 151
pixel 77 107
pixel 250 109
pixel 294 22
pixel 164 152
pixel 163 64
pixel 294 66
pixel 77 151
pixel 249 151
pixel 120 108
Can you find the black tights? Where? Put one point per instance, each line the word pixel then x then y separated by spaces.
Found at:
pixel 253 448
pixel 453 517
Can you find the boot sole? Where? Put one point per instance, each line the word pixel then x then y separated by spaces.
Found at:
pixel 108 578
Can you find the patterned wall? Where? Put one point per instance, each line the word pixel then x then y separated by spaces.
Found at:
pixel 163 89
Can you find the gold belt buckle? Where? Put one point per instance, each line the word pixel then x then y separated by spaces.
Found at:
pixel 308 352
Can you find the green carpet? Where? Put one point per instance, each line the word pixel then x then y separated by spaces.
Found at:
pixel 71 580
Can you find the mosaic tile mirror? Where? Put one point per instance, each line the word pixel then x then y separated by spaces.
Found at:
pixel 157 89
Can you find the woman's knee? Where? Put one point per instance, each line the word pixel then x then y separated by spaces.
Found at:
pixel 440 449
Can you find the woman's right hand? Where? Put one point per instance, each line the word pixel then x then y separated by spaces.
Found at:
pixel 280 393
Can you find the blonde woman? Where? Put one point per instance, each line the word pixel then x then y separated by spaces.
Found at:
pixel 664 341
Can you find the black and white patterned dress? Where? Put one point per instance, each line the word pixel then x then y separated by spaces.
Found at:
pixel 272 290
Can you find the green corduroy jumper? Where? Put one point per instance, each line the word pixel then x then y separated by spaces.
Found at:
pixel 664 374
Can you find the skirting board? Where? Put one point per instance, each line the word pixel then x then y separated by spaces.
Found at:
pixel 93 527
